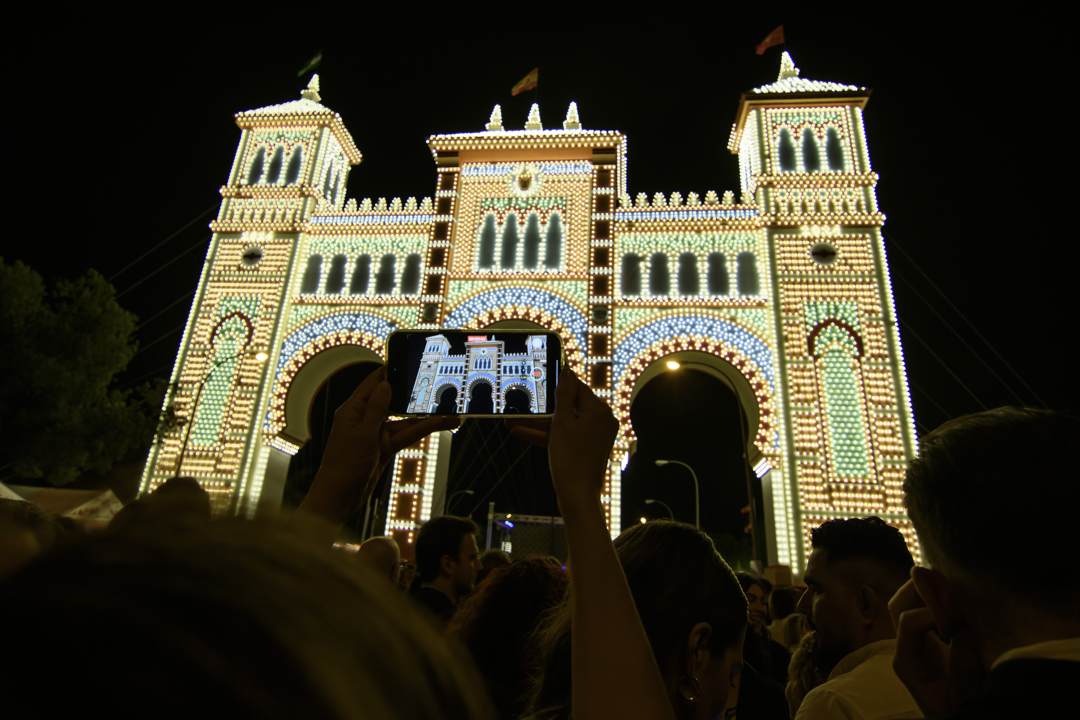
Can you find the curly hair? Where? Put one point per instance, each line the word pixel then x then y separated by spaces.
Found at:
pixel 677 579
pixel 495 624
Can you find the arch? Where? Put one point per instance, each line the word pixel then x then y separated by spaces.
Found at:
pixel 478 401
pixel 553 242
pixel 834 151
pixel 384 279
pixel 410 276
pixel 786 151
pixel 255 170
pixel 810 153
pixel 689 283
pixel 335 279
pixel 746 274
pixel 480 377
pixel 659 277
pixel 312 275
pixel 296 160
pixel 446 398
pixel 486 257
pixel 630 277
pixel 517 400
pixel 718 274
pixel 361 276
pixel 273 170
pixel 532 242
pixel 508 251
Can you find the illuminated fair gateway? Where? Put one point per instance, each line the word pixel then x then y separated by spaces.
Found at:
pixel 783 294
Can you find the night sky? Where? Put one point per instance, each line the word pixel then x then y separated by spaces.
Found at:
pixel 120 132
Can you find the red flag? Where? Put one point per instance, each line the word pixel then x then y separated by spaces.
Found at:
pixel 527 83
pixel 776 37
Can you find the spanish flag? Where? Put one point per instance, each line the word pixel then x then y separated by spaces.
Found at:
pixel 776 37
pixel 527 83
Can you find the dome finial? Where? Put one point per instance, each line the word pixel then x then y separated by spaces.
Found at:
pixel 312 91
pixel 534 118
pixel 572 122
pixel 495 122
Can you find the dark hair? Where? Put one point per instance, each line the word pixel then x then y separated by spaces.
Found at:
pixel 871 539
pixel 248 619
pixel 971 478
pixel 492 560
pixel 756 651
pixel 496 621
pixel 783 602
pixel 438 537
pixel 677 580
pixel 29 516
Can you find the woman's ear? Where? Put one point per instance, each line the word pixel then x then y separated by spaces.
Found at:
pixel 697 649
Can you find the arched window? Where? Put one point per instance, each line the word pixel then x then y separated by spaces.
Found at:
pixel 811 156
pixel 487 243
pixel 410 276
pixel 532 241
pixel 296 159
pixel 631 274
pixel 255 170
pixel 834 151
pixel 718 275
pixel 689 284
pixel 553 242
pixel 746 273
pixel 274 169
pixel 508 256
pixel 312 275
pixel 326 180
pixel 384 279
pixel 659 277
pixel 335 279
pixel 786 151
pixel 361 276
pixel 337 187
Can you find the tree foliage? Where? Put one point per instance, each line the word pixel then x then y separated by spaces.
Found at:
pixel 62 348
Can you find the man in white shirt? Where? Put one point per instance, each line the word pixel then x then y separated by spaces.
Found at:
pixel 993 497
pixel 855 568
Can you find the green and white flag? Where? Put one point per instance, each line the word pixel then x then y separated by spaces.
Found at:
pixel 311 64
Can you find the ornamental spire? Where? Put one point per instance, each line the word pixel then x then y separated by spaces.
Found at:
pixel 312 91
pixel 572 121
pixel 534 118
pixel 495 122
pixel 787 67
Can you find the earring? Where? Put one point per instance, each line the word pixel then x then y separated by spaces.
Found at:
pixel 695 691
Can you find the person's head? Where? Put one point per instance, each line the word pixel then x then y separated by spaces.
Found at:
pixel 250 620
pixel 855 568
pixel 383 555
pixel 177 506
pixel 755 597
pixel 810 666
pixel 963 492
pixel 781 603
pixel 496 621
pixel 408 573
pixel 491 560
pixel 693 611
pixel 27 530
pixel 447 554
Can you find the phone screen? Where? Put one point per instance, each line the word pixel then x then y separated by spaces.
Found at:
pixel 475 373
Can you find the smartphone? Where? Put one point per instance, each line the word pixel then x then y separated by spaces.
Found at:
pixel 473 373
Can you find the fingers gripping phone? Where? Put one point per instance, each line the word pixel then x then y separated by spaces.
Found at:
pixel 473 373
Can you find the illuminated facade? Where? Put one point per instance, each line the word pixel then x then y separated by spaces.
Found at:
pixel 448 384
pixel 783 294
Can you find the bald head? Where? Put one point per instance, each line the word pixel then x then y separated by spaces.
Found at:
pixel 382 555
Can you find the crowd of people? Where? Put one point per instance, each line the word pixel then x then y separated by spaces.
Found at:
pixel 168 613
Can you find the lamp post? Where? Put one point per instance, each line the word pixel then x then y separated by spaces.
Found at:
pixel 697 490
pixel 260 356
pixel 450 502
pixel 661 502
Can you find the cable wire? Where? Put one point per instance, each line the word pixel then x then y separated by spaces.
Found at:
pixel 144 323
pixel 963 317
pixel 147 277
pixel 907 328
pixel 128 266
pixel 151 344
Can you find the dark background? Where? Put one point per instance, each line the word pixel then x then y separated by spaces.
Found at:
pixel 120 132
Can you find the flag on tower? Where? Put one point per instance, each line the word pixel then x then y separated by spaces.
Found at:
pixel 527 83
pixel 311 64
pixel 776 37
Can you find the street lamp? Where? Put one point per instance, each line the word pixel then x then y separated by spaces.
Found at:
pixel 661 502
pixel 450 502
pixel 697 490
pixel 260 357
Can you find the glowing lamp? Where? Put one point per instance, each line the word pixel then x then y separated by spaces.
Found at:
pixel 672 365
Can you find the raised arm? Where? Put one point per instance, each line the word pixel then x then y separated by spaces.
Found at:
pixel 613 671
